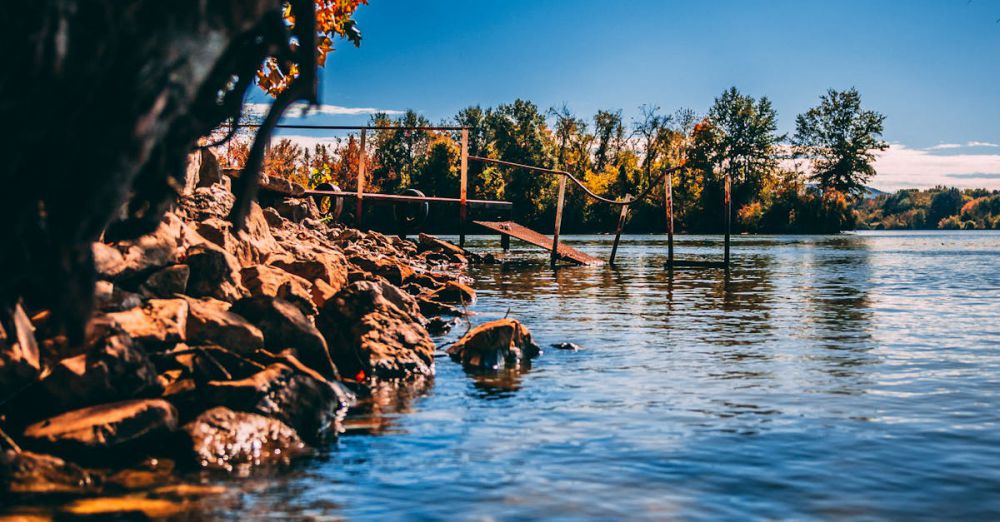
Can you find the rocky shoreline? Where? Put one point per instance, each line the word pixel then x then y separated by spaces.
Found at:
pixel 226 351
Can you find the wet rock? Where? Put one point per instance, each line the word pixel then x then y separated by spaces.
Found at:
pixel 453 292
pixel 20 362
pixel 440 326
pixel 392 270
pixel 213 273
pixel 35 473
pixel 167 282
pixel 112 369
pixel 211 322
pixel 428 242
pixel 308 404
pixel 368 333
pixel 222 439
pixel 124 508
pixel 157 324
pixel 430 308
pixel 285 326
pixel 573 347
pixel 494 345
pixel 117 430
pixel 147 474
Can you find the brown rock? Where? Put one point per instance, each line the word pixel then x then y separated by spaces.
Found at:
pixel 109 297
pixel 159 323
pixel 453 292
pixel 117 429
pixel 369 335
pixel 285 326
pixel 322 292
pixel 211 322
pixel 392 270
pixel 428 242
pixel 152 251
pixel 34 473
pixel 268 280
pixel 124 508
pixel 167 282
pixel 430 308
pixel 108 261
pixel 307 404
pixel 330 267
pixel 222 439
pixel 494 345
pixel 213 273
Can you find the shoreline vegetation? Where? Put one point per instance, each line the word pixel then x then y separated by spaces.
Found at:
pixel 781 184
pixel 213 350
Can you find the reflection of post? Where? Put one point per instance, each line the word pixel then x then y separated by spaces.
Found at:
pixel 361 179
pixel 559 209
pixel 728 220
pixel 618 231
pixel 462 212
pixel 669 191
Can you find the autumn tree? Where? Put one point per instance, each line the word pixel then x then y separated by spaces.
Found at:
pixel 840 139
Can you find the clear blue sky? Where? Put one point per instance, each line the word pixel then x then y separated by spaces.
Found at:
pixel 933 67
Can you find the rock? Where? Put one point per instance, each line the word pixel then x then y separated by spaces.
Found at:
pixel 117 430
pixel 440 326
pixel 494 345
pixel 167 281
pixel 393 271
pixel 428 242
pixel 147 474
pixel 20 362
pixel 124 508
pixel 567 346
pixel 28 473
pixel 109 297
pixel 222 439
pixel 281 186
pixel 273 281
pixel 428 307
pixel 211 322
pixel 210 171
pixel 322 292
pixel 108 261
pixel 213 273
pixel 329 267
pixel 149 252
pixel 214 200
pixel 192 171
pixel 453 292
pixel 285 326
pixel 308 404
pixel 112 369
pixel 260 243
pixel 293 209
pixel 370 335
pixel 158 324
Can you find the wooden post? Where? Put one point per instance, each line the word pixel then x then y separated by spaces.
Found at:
pixel 559 210
pixel 669 190
pixel 505 242
pixel 463 210
pixel 728 220
pixel 618 232
pixel 361 180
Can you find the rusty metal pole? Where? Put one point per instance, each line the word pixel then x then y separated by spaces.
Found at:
pixel 361 180
pixel 618 232
pixel 728 220
pixel 669 189
pixel 463 210
pixel 559 211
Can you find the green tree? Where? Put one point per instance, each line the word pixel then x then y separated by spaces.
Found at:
pixel 521 136
pixel 945 204
pixel 840 138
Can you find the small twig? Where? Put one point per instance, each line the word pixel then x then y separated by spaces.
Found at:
pixel 506 315
pixel 10 442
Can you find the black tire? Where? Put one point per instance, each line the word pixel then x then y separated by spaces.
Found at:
pixel 410 215
pixel 329 205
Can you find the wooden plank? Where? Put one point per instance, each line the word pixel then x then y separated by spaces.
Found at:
pixel 464 168
pixel 361 179
pixel 618 231
pixel 555 230
pixel 527 235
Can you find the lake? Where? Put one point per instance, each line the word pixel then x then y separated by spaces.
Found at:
pixel 851 376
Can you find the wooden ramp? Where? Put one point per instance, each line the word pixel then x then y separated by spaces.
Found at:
pixel 530 236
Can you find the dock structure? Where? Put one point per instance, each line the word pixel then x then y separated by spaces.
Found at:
pixel 507 229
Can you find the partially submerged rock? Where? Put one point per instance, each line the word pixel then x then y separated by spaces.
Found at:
pixel 26 472
pixel 371 332
pixel 222 439
pixel 453 292
pixel 494 345
pixel 97 433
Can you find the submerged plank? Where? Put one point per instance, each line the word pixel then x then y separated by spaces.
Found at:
pixel 540 240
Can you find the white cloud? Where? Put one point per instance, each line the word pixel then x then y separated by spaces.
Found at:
pixel 941 146
pixel 308 142
pixel 295 111
pixel 981 144
pixel 902 167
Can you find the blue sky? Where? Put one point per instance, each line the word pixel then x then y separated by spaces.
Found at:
pixel 933 67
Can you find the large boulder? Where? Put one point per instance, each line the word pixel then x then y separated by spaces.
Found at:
pixel 157 324
pixel 211 322
pixel 494 345
pixel 285 326
pixel 369 335
pixel 223 439
pixel 167 281
pixel 263 280
pixel 120 430
pixel 213 273
pixel 330 267
pixel 393 270
pixel 150 252
pixel 303 400
pixel 19 356
pixel 453 292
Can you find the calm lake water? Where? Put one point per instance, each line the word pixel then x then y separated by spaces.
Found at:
pixel 853 376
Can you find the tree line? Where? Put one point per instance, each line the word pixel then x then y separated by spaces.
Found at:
pixel 945 208
pixel 808 182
